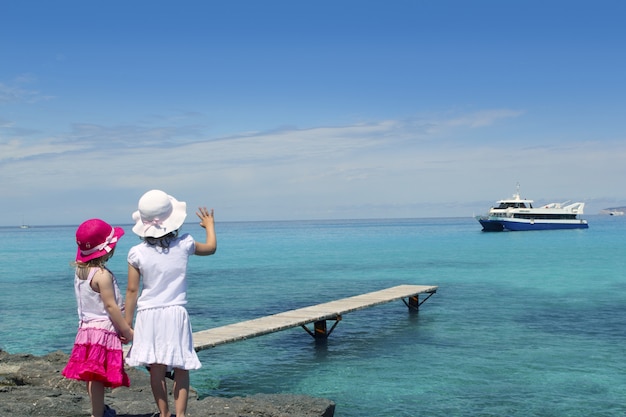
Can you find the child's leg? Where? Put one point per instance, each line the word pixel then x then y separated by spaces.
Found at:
pixel 96 395
pixel 159 388
pixel 181 391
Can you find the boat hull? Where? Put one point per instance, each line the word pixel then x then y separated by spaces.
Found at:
pixel 518 225
pixel 523 225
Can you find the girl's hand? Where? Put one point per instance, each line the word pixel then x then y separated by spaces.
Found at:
pixel 128 338
pixel 206 217
pixel 209 246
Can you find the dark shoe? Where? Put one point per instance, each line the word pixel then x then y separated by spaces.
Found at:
pixel 109 412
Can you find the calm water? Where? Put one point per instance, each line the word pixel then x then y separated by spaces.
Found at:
pixel 523 324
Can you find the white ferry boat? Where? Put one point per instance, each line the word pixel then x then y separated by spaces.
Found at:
pixel 517 214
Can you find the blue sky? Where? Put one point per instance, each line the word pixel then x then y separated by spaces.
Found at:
pixel 309 110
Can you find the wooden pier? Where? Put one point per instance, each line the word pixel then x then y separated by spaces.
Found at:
pixel 317 314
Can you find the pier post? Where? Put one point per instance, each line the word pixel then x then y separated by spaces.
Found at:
pixel 414 302
pixel 320 329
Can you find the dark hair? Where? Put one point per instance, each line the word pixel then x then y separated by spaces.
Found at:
pixel 163 241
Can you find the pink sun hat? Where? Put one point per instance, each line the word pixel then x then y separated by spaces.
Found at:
pixel 96 238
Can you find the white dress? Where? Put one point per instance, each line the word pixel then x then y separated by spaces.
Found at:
pixel 163 333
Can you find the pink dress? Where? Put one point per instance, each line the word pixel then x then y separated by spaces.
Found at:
pixel 97 354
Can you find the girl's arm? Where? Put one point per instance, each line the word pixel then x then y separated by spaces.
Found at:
pixel 103 283
pixel 132 292
pixel 206 221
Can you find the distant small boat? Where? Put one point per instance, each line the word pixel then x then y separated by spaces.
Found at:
pixel 24 225
pixel 616 213
pixel 518 214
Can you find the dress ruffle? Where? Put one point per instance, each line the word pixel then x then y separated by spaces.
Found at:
pixel 97 356
pixel 163 336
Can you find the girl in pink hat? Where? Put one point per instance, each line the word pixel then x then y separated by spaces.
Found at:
pixel 163 335
pixel 97 356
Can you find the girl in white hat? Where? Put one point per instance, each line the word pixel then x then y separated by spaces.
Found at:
pixel 163 338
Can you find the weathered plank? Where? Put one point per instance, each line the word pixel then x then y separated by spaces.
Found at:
pixel 326 311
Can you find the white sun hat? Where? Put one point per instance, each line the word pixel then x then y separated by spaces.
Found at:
pixel 158 214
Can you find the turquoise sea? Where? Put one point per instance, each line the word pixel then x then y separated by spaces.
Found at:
pixel 523 324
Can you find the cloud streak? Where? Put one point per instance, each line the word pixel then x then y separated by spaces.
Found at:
pixel 15 91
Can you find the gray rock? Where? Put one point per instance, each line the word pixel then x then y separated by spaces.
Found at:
pixel 33 386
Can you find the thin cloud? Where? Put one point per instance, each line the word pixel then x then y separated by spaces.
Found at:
pixel 16 149
pixel 483 118
pixel 15 92
pixel 134 136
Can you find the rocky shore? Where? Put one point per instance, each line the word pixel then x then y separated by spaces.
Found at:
pixel 33 386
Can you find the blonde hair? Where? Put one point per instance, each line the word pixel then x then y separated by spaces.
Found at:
pixel 82 267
